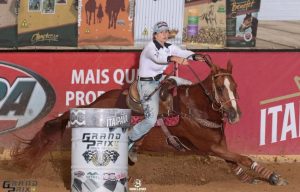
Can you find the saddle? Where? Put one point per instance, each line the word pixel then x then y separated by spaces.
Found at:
pixel 166 98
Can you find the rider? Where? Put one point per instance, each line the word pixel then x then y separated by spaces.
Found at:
pixel 154 59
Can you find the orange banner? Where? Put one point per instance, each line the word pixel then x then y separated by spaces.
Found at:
pixel 106 22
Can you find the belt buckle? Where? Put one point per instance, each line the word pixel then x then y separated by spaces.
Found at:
pixel 157 77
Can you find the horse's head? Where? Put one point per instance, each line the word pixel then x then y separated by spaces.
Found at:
pixel 224 90
pixel 247 22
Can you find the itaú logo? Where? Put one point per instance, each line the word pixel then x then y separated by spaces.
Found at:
pixel 278 121
pixel 25 97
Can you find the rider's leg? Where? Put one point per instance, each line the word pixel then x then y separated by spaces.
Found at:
pixel 151 108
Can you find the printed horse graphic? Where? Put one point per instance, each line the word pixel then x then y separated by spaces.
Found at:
pixel 90 8
pixel 210 16
pixel 249 22
pixel 112 9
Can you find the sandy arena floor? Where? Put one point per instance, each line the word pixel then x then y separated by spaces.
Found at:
pixel 164 173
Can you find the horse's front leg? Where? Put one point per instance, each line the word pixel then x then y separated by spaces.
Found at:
pixel 241 173
pixel 87 18
pixel 265 174
pixel 94 17
pixel 109 20
pixel 233 160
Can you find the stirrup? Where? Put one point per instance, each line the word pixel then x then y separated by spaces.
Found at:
pixel 176 143
pixel 130 144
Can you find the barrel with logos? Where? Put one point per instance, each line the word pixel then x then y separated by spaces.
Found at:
pixel 99 149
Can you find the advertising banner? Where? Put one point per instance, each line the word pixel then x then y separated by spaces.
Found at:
pixel 105 22
pixel 205 23
pixel 47 23
pixel 8 23
pixel 38 87
pixel 147 13
pixel 242 22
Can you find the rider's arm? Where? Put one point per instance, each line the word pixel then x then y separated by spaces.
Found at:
pixel 157 56
pixel 177 51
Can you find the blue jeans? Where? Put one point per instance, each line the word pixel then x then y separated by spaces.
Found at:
pixel 151 106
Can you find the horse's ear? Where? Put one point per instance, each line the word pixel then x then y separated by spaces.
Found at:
pixel 229 66
pixel 214 68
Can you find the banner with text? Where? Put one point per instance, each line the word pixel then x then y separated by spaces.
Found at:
pixel 36 87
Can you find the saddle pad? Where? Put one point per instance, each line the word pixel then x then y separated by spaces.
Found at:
pixel 169 121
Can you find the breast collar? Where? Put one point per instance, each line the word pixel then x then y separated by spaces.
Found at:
pixel 159 46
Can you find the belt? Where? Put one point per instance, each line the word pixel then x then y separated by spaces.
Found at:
pixel 156 78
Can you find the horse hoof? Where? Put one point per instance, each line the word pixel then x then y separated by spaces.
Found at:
pixel 275 179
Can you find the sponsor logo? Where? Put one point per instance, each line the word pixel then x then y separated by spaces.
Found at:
pixel 77 118
pixel 248 36
pixel 20 186
pixel 95 140
pixel 79 173
pixel 243 5
pixel 93 175
pixel 99 158
pixel 25 97
pixel 114 176
pixel 37 37
pixel 278 121
pixel 137 186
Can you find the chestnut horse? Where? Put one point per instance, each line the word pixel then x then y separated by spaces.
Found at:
pixel 204 106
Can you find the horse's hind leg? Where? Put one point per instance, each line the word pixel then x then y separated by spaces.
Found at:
pixel 263 172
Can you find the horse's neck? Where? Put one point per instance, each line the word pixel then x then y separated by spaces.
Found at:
pixel 197 90
pixel 254 23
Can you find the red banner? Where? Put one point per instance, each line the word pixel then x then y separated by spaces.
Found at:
pixel 35 87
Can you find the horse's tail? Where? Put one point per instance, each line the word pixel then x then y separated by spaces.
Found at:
pixel 43 142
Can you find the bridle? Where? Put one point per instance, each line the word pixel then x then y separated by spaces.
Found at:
pixel 216 102
pixel 220 103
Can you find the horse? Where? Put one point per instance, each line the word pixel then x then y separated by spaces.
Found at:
pixel 249 22
pixel 203 109
pixel 90 8
pixel 112 9
pixel 210 16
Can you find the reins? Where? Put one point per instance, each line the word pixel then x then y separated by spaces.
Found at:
pixel 217 105
pixel 160 84
pixel 208 61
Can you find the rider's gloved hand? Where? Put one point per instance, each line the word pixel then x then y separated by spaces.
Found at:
pixel 198 58
pixel 179 60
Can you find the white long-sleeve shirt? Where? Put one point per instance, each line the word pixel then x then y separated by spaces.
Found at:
pixel 154 58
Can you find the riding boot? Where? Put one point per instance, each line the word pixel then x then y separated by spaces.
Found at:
pixel 130 144
pixel 132 152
